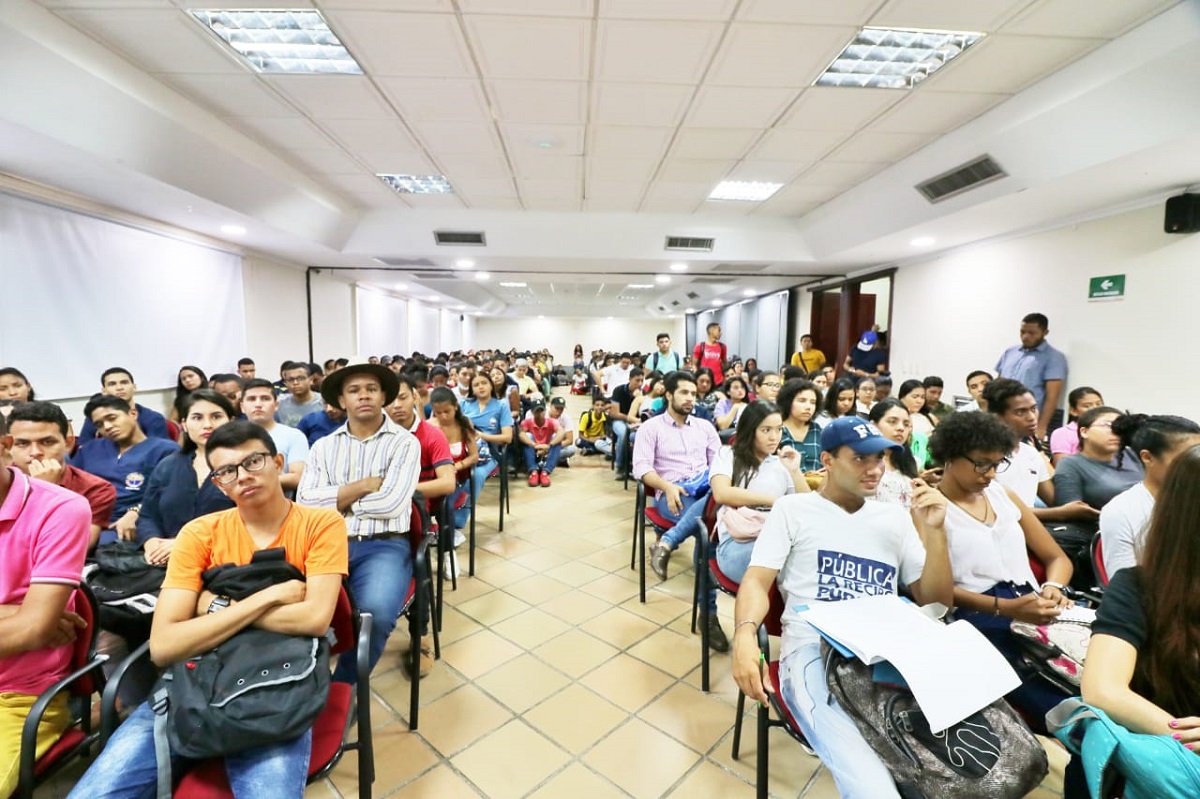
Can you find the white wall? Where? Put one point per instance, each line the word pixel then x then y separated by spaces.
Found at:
pixel 560 335
pixel 276 321
pixel 382 323
pixel 959 311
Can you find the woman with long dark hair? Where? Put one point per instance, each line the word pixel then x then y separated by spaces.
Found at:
pixel 839 401
pixel 912 394
pixel 707 396
pixel 893 419
pixel 797 404
pixel 492 419
pixel 1157 440
pixel 1141 662
pixel 464 449
pixel 727 411
pixel 1065 440
pixel 747 477
pixel 188 380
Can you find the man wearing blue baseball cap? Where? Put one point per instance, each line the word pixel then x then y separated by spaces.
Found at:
pixel 868 358
pixel 828 546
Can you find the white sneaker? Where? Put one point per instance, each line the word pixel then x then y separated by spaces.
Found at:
pixel 459 538
pixel 446 567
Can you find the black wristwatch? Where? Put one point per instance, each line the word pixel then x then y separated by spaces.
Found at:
pixel 218 603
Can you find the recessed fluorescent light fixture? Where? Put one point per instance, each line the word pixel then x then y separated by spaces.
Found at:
pixel 280 40
pixel 482 276
pixel 717 302
pixel 744 190
pixel 689 310
pixel 233 230
pixel 895 58
pixel 464 263
pixel 541 316
pixel 662 278
pixel 679 267
pixel 748 292
pixel 513 285
pixel 640 286
pixel 400 286
pixel 417 184
pixel 922 241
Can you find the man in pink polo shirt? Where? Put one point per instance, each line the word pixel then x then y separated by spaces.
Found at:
pixel 43 541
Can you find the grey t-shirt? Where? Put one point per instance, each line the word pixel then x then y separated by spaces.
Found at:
pixel 1095 482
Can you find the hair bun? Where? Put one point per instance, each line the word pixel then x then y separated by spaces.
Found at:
pixel 1127 424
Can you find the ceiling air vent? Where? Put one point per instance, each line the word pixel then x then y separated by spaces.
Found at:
pixel 740 269
pixel 689 244
pixel 411 262
pixel 436 274
pixel 461 238
pixel 691 295
pixel 962 178
pixel 674 303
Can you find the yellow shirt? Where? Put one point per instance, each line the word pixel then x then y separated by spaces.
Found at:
pixel 809 361
pixel 592 427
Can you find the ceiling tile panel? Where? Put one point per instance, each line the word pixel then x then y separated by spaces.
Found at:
pixel 649 104
pixel 615 190
pixel 231 95
pixel 695 171
pixel 726 208
pixel 366 189
pixel 665 190
pixel 165 40
pixel 776 55
pixel 484 187
pixel 1008 63
pixel 785 208
pixel 333 96
pixel 713 143
pixel 545 101
pixel 935 112
pixel 557 8
pixel 398 44
pixel 444 6
pixel 674 10
pixel 54 4
pixel 952 15
pixel 542 166
pixel 835 108
pixel 529 139
pixel 493 203
pixel 286 132
pixel 1082 18
pixel 393 162
pixel 433 201
pixel 807 192
pixel 490 165
pixel 668 205
pixel 628 142
pixel 796 145
pixel 841 173
pixel 371 134
pixel 553 204
pixel 539 49
pixel 767 171
pixel 450 137
pixel 549 189
pixel 656 52
pixel 438 100
pixel 869 146
pixel 330 160
pixel 741 107
pixel 619 169
pixel 611 204
pixel 809 12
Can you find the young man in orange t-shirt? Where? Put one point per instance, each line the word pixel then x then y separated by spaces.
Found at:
pixel 189 620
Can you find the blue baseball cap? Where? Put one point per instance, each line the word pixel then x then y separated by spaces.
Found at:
pixel 867 342
pixel 857 434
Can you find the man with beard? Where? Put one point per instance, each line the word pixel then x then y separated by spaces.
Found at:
pixel 671 456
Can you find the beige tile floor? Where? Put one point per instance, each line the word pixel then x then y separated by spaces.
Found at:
pixel 555 681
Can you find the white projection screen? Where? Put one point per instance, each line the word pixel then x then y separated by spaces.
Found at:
pixel 81 294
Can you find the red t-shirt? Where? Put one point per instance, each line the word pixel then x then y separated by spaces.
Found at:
pixel 99 493
pixel 435 449
pixel 711 356
pixel 543 434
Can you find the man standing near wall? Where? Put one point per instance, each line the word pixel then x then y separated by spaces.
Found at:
pixel 711 353
pixel 663 360
pixel 1040 367
pixel 808 357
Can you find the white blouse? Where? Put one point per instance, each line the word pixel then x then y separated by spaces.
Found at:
pixel 982 555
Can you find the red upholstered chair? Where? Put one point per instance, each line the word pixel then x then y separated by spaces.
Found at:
pixel 706 578
pixel 772 625
pixel 173 431
pixel 207 779
pixel 85 679
pixel 1098 563
pixel 643 512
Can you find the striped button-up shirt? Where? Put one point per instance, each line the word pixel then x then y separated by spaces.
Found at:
pixel 674 451
pixel 391 453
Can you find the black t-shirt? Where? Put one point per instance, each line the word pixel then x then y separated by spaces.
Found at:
pixel 623 396
pixel 1121 614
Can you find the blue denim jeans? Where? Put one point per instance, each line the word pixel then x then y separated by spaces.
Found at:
pixel 551 459
pixel 127 769
pixel 619 427
pixel 734 558
pixel 380 572
pixel 462 516
pixel 688 523
pixel 857 770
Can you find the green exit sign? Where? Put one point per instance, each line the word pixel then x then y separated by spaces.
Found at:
pixel 1108 287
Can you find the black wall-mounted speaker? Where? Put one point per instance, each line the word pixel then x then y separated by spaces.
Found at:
pixel 1183 214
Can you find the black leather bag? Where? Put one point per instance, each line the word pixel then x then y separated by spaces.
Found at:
pixel 126 588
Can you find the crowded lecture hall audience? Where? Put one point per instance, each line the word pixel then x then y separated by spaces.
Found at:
pixel 973 494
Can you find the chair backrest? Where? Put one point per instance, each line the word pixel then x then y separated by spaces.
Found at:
pixel 418 520
pixel 342 623
pixel 173 431
pixel 710 522
pixel 1035 566
pixel 1098 559
pixel 83 651
pixel 773 621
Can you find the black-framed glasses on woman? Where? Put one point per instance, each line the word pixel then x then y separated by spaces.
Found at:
pixel 983 467
pixel 224 475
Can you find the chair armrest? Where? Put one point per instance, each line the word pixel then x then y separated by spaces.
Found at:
pixel 108 699
pixel 362 655
pixel 38 710
pixel 764 641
